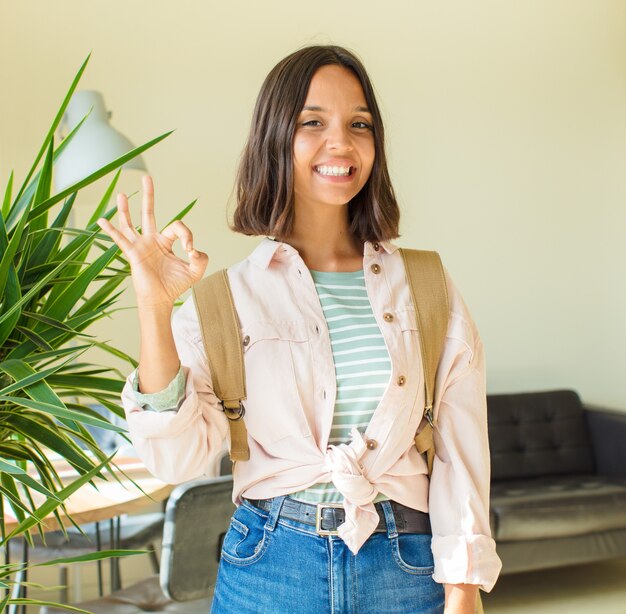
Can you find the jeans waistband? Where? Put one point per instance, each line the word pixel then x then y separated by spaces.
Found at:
pixel 328 517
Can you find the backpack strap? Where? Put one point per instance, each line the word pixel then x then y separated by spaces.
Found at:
pixel 429 293
pixel 222 341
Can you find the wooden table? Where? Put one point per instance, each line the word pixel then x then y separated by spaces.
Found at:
pixel 110 499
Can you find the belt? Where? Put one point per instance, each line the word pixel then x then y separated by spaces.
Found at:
pixel 328 517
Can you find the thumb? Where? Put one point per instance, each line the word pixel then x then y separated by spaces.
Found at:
pixel 198 262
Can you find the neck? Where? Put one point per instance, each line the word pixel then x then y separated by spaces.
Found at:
pixel 323 239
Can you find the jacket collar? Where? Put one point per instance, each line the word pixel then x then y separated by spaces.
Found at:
pixel 269 249
pixel 265 251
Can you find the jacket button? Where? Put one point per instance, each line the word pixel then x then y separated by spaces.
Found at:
pixel 376 246
pixel 371 444
pixel 401 380
pixel 375 268
pixel 246 340
pixel 388 317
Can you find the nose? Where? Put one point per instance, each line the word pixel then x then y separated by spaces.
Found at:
pixel 339 137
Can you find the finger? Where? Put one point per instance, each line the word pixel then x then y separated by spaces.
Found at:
pixel 198 262
pixel 178 230
pixel 148 223
pixel 120 240
pixel 123 213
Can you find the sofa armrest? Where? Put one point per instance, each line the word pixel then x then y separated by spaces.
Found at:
pixel 607 430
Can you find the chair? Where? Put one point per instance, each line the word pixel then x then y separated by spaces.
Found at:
pixel 196 518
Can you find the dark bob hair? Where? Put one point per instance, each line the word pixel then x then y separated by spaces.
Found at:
pixel 264 186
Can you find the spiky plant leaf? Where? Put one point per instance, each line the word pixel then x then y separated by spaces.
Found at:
pixel 55 282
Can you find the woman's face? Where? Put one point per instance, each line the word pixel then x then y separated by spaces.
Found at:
pixel 333 145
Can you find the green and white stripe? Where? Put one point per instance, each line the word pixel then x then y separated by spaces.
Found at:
pixel 362 364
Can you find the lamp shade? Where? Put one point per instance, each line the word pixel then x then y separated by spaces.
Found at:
pixel 95 144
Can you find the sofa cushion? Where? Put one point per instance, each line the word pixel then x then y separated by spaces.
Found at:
pixel 549 507
pixel 538 433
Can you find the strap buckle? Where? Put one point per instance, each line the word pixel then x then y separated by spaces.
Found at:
pixel 318 518
pixel 234 413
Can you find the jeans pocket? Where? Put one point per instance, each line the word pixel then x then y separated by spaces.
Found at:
pixel 412 553
pixel 246 540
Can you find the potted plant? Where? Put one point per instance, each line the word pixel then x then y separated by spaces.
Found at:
pixel 55 282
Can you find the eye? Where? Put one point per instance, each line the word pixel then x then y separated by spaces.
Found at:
pixel 362 125
pixel 312 122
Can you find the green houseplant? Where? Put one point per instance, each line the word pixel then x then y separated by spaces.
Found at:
pixel 55 282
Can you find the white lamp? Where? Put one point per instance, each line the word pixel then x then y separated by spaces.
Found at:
pixel 95 144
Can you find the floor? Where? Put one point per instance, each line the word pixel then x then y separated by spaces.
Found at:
pixel 600 587
pixel 83 583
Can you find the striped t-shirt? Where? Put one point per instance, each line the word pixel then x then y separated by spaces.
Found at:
pixel 362 364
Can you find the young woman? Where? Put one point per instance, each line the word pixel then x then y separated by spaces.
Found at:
pixel 333 372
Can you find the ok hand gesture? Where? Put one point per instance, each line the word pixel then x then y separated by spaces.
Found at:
pixel 159 276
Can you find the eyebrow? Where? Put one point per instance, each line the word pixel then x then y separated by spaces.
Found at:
pixel 316 108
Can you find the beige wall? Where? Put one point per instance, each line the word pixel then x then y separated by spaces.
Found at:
pixel 507 140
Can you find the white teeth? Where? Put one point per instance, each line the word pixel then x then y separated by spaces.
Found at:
pixel 335 171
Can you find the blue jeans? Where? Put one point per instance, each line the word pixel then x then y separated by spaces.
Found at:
pixel 278 566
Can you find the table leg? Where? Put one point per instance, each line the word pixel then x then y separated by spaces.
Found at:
pixel 24 591
pixel 115 541
pixel 16 589
pixel 99 562
pixel 112 562
pixel 7 562
pixel 116 537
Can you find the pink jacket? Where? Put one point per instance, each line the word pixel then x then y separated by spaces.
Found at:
pixel 290 382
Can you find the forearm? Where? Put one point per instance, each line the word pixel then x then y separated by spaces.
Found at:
pixel 461 598
pixel 158 357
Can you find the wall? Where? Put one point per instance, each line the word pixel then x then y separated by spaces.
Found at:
pixel 506 128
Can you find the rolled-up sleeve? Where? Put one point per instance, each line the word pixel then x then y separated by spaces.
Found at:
pixel 463 549
pixel 181 445
pixel 168 399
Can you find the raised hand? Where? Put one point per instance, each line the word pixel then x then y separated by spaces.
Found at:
pixel 159 276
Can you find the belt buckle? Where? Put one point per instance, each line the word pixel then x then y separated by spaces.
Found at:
pixel 318 518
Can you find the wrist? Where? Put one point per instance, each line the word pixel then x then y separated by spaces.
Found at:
pixel 155 310
pixel 461 598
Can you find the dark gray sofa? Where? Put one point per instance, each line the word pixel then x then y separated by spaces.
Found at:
pixel 558 489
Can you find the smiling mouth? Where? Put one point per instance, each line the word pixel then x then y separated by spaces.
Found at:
pixel 335 171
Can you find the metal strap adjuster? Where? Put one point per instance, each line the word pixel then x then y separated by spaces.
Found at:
pixel 428 414
pixel 234 413
pixel 318 518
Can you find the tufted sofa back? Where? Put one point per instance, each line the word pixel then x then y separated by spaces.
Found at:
pixel 538 434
